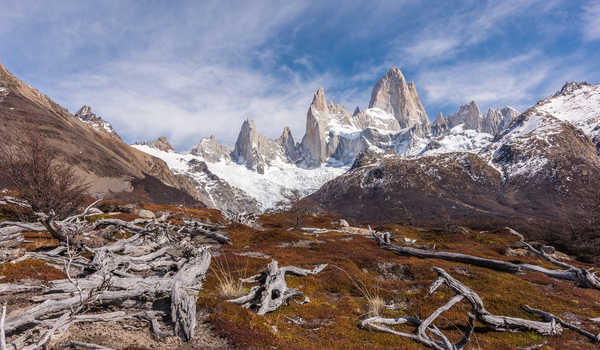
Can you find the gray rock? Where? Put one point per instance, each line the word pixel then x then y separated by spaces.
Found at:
pixel 393 95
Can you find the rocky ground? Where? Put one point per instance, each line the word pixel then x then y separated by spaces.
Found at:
pixel 360 280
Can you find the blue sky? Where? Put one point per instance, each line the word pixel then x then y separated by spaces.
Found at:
pixel 189 69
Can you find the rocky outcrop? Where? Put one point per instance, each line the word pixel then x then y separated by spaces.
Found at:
pixel 469 115
pixel 393 95
pixel 211 150
pixel 160 143
pixel 439 126
pixel 314 147
pixel 497 120
pixel 86 115
pixel 286 140
pixel 255 150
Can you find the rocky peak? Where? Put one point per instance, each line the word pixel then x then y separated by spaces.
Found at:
pixel 440 125
pixel 319 102
pixel 254 149
pixel 570 87
pixel 469 115
pixel 86 115
pixel 356 111
pixel 393 95
pixel 211 150
pixel 286 140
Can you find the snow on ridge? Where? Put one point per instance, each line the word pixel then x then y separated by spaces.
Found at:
pixel 580 107
pixel 266 188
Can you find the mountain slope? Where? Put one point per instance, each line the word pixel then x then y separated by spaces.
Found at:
pixel 105 161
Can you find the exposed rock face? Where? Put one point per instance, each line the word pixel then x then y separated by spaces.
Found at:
pixel 497 120
pixel 393 95
pixel 107 163
pixel 254 149
pixel 469 115
pixel 286 140
pixel 211 150
pixel 314 147
pixel 439 126
pixel 86 115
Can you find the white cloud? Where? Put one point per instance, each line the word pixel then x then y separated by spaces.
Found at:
pixel 442 39
pixel 591 21
pixel 513 81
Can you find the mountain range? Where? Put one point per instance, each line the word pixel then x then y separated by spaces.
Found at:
pixel 538 171
pixel 396 122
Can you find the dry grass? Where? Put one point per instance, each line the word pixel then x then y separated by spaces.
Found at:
pixel 371 293
pixel 229 276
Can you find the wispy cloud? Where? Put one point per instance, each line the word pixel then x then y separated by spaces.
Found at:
pixel 591 21
pixel 513 81
pixel 457 31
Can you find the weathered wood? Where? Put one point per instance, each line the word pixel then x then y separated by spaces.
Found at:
pixel 10 288
pixel 36 227
pixel 448 256
pixel 500 323
pixel 273 291
pixel 82 345
pixel 2 334
pixel 183 297
pixel 583 278
pixel 547 316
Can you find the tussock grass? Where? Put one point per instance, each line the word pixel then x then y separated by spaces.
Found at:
pixel 375 303
pixel 229 282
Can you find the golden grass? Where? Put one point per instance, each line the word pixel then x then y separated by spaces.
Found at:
pixel 229 277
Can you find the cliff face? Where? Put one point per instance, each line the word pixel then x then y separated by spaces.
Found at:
pixel 393 95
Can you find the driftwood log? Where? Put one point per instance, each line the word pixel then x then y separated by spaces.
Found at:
pixel 272 291
pixel 581 277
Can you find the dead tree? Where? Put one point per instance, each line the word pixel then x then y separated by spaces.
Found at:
pixel 272 291
pixel 583 278
pixel 159 261
pixel 428 334
pixel 50 187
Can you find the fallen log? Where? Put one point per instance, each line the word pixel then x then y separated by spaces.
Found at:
pixel 583 278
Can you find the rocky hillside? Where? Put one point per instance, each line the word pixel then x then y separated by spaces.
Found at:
pixel 86 142
pixel 541 175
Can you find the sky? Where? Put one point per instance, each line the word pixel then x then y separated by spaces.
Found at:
pixel 191 69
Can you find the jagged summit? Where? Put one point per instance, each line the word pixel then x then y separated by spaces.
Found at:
pixel 469 115
pixel 211 150
pixel 86 115
pixel 393 95
pixel 570 87
pixel 319 102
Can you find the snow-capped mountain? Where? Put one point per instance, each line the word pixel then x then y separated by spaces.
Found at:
pixel 395 123
pixel 541 174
